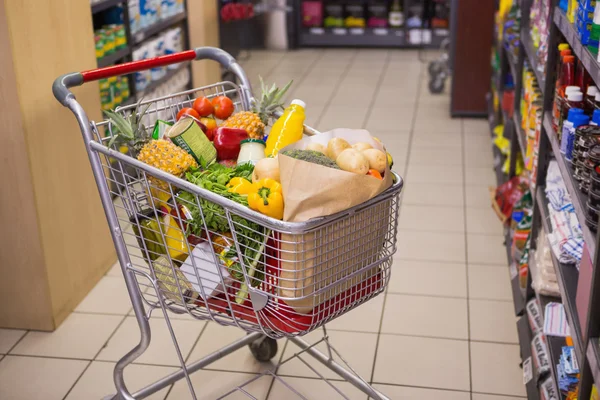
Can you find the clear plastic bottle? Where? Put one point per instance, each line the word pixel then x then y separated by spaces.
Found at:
pixel 287 129
pixel 589 103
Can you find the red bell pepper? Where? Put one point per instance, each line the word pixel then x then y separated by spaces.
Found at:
pixel 227 141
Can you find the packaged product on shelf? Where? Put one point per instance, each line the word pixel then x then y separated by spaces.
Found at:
pixel 555 320
pixel 567 373
pixel 396 16
pixel 334 14
pixel 105 97
pixel 543 275
pixel 523 262
pixel 561 84
pixel 539 348
pixel 507 195
pixel 354 10
pixel 99 41
pixel 173 44
pixel 135 18
pixel 142 78
pixel 312 13
pixel 595 34
pixel 540 21
pixel 157 50
pixel 548 390
pixel 377 11
pixel 148 13
pixel 534 316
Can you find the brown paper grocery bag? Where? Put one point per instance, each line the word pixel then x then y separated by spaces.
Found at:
pixel 316 260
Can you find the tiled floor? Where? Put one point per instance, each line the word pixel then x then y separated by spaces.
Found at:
pixel 445 329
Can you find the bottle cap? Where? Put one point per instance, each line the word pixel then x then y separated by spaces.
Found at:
pixel 565 52
pixel 563 46
pixel 573 112
pixel 596 117
pixel 575 96
pixel 569 59
pixel 299 103
pixel 581 119
pixel 592 90
pixel 571 89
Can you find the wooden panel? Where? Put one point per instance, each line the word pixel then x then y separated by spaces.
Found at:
pixel 49 38
pixel 203 22
pixel 474 25
pixel 22 270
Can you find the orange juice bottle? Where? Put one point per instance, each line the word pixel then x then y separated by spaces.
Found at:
pixel 287 129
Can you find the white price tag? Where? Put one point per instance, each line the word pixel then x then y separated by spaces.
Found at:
pixel 415 36
pixel 317 31
pixel 426 36
pixel 357 31
pixel 441 32
pixel 380 31
pixel 339 31
pixel 512 268
pixel 527 371
pixel 399 33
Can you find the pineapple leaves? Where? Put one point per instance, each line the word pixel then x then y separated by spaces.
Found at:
pixel 271 100
pixel 128 130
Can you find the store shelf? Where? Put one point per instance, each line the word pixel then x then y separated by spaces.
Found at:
pixel 530 51
pixel 511 59
pixel 105 5
pixel 111 59
pixel 567 276
pixel 373 37
pixel 520 133
pixel 491 112
pixel 593 356
pixel 555 345
pixel 577 197
pixel 170 73
pixel 158 27
pixel 587 58
pixel 525 342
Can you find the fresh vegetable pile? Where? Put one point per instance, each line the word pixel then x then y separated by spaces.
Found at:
pixel 223 152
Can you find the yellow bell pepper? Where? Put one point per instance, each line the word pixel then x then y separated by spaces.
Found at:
pixel 240 186
pixel 175 241
pixel 267 198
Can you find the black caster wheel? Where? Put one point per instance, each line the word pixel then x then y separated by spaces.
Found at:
pixel 263 349
pixel 434 69
pixel 436 85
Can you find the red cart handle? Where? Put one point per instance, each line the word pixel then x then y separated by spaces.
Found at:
pixel 61 85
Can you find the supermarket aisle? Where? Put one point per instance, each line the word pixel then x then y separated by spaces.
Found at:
pixel 444 329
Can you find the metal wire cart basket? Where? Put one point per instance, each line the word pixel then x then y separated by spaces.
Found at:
pixel 233 266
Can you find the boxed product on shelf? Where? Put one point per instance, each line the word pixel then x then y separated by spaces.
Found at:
pixel 173 43
pixel 312 13
pixel 135 18
pixel 334 14
pixel 142 78
pixel 377 12
pixel 539 348
pixel 113 92
pixel 157 49
pixel 567 372
pixel 355 16
pixel 149 12
pixel 534 316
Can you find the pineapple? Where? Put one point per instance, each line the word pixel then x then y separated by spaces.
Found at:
pixel 254 122
pixel 129 132
pixel 167 157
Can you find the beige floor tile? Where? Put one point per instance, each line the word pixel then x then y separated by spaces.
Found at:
pixel 431 218
pixel 489 283
pixel 479 158
pixel 476 125
pixel 447 141
pixel 115 270
pixel 314 389
pixel 483 220
pixel 97 381
pixel 108 296
pixel 478 396
pixel 433 246
pixel 8 338
pixel 495 369
pixel 439 126
pixel 480 176
pixel 364 318
pixel 493 321
pixel 428 278
pixel 79 336
pixel 344 342
pixel 486 249
pixel 161 350
pixel 216 336
pixel 425 316
pixel 433 195
pixel 424 362
pixel 435 156
pixel 339 117
pixel 390 119
pixel 448 174
pixel 210 385
pixel 32 378
pixel 411 393
pixel 478 196
pixel 477 140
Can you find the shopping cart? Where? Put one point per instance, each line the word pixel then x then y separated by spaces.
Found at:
pixel 187 250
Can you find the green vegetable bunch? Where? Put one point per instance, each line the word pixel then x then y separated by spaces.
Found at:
pixel 311 156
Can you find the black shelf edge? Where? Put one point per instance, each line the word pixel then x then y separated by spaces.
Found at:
pixel 111 59
pixel 160 26
pixel 527 44
pixel 578 198
pixel 519 132
pixel 593 357
pixel 525 337
pixel 498 163
pixel 491 112
pixel 105 5
pixel 517 293
pixel 555 345
pixel 373 37
pixel 170 73
pixel 567 276
pixel 512 62
pixel 587 58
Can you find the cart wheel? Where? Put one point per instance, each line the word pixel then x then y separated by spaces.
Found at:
pixel 434 68
pixel 264 349
pixel 436 85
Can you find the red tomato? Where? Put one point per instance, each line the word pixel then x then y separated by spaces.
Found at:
pixel 223 107
pixel 203 106
pixel 187 111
